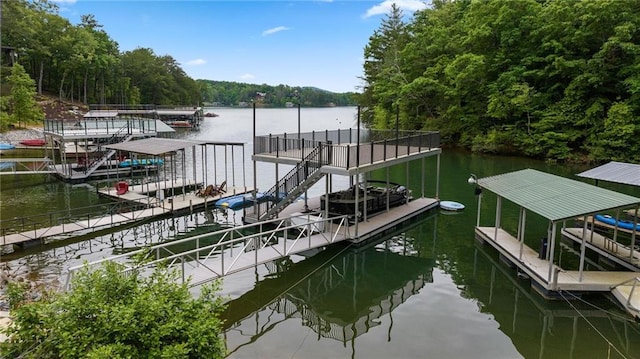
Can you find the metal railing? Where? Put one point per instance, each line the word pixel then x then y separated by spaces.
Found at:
pixel 635 281
pixel 374 146
pixel 95 127
pixel 221 253
pixel 84 215
pixel 289 186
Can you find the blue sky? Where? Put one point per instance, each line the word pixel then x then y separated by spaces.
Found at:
pixel 295 42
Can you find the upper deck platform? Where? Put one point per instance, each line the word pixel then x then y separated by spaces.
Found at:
pixel 349 151
pixel 104 128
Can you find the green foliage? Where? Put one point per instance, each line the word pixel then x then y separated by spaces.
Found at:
pixel 22 106
pixel 224 93
pixel 109 314
pixel 552 74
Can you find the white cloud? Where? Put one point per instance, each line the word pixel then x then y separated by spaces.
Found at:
pixel 65 1
pixel 247 77
pixel 196 62
pixel 407 6
pixel 274 30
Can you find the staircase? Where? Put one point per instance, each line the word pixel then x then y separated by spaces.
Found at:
pixel 304 175
pixel 106 155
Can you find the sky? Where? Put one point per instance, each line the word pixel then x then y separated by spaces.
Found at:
pixel 318 43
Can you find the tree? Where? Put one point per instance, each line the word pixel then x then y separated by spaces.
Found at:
pixel 23 108
pixel 110 314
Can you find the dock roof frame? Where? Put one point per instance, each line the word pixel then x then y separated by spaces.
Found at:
pixel 553 197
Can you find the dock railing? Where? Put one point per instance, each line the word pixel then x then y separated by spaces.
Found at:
pixel 78 215
pixel 101 127
pixel 375 145
pixel 634 284
pixel 222 252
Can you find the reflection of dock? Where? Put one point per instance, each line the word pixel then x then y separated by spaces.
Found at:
pixel 389 271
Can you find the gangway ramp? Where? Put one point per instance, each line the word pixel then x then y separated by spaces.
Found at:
pixel 25 166
pixel 206 257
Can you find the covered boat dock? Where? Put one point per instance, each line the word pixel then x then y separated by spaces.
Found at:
pixel 560 201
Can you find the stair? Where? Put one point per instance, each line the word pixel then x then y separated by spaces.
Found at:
pixel 106 156
pixel 304 175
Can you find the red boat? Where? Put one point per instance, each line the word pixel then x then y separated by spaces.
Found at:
pixel 33 142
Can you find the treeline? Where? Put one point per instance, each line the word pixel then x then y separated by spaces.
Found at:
pixel 556 79
pixel 224 93
pixel 82 63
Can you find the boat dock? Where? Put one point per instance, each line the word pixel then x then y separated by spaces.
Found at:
pixel 561 201
pixel 145 195
pixel 289 222
pixel 206 257
pixel 25 166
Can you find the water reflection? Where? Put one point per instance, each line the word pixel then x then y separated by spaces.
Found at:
pixel 339 293
pixel 590 326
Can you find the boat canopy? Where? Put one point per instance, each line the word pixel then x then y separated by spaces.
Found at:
pixel 617 172
pixel 553 197
pixel 155 146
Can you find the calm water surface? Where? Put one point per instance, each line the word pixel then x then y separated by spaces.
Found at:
pixel 425 291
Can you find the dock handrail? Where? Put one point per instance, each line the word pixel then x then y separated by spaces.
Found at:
pixel 203 254
pixel 103 156
pixel 344 152
pixel 288 187
pixel 635 281
pixel 38 221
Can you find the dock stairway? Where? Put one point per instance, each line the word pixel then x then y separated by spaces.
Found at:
pixel 304 175
pixel 106 155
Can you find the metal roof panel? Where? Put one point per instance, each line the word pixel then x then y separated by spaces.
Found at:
pixel 618 172
pixel 554 197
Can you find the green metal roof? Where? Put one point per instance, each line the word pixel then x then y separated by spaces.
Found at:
pixel 553 197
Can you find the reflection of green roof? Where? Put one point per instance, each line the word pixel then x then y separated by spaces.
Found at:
pixel 553 197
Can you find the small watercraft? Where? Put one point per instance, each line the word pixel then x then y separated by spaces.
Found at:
pixel 36 142
pixel 451 206
pixel 141 162
pixel 241 201
pixel 622 223
pixel 6 146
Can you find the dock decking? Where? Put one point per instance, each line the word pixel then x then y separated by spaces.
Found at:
pixel 538 269
pixel 619 283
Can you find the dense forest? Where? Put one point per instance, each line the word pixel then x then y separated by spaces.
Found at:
pixel 224 93
pixel 556 79
pixel 82 63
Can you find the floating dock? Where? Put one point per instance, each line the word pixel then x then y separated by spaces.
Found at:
pixel 560 201
pixel 144 194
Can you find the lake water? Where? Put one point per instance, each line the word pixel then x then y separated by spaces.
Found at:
pixel 427 291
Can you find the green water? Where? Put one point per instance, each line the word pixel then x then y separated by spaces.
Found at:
pixel 426 290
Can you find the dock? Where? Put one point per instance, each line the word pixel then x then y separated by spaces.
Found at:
pixel 206 257
pixel 143 194
pixel 561 201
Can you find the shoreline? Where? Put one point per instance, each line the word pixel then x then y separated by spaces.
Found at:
pixel 15 136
